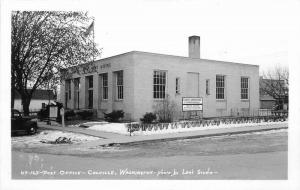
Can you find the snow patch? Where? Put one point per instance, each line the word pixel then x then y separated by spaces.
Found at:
pixel 50 135
pixel 121 128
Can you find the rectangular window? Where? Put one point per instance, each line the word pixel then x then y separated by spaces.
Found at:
pixel 76 84
pixel 119 84
pixel 220 87
pixel 66 100
pixel 76 91
pixel 104 86
pixel 207 83
pixel 90 106
pixel 177 85
pixel 90 92
pixel 68 89
pixel 90 81
pixel 159 84
pixel 244 88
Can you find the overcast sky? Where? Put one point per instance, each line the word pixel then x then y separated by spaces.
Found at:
pixel 254 32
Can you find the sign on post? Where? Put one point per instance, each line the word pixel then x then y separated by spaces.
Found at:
pixel 53 111
pixel 192 104
pixel 62 113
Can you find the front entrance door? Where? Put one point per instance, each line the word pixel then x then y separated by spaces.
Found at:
pixel 193 85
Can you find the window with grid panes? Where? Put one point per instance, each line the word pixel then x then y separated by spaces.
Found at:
pixel 159 84
pixel 90 92
pixel 220 87
pixel 119 83
pixel 244 88
pixel 104 86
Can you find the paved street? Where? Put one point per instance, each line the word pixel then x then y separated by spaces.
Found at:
pixel 258 155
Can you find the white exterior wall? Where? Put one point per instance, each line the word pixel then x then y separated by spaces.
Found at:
pixel 122 62
pixel 35 105
pixel 138 70
pixel 146 63
pixel 125 63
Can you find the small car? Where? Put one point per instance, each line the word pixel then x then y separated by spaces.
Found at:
pixel 20 123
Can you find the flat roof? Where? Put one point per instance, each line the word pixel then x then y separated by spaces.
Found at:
pixel 174 56
pixel 166 55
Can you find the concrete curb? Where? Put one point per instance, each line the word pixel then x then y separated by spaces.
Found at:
pixel 194 137
pixel 111 139
pixel 211 133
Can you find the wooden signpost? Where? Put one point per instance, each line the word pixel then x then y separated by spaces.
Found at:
pixel 62 113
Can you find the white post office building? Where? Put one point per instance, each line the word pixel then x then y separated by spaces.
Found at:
pixel 135 81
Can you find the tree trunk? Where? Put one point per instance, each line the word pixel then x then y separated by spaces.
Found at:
pixel 26 103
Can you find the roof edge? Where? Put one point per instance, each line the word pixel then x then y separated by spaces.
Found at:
pixel 175 56
pixel 166 55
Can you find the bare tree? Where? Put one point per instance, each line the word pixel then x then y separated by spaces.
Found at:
pixel 44 43
pixel 275 83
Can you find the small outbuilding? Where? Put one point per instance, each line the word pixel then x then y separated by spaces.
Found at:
pixel 40 98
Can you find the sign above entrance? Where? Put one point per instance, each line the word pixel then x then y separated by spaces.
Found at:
pixel 192 104
pixel 105 65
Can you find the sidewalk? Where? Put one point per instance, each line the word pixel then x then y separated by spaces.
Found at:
pixel 100 134
pixel 113 138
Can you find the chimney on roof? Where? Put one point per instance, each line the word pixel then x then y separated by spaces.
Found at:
pixel 194 47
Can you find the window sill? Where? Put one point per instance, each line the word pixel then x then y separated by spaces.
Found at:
pixel 245 100
pixel 221 100
pixel 158 100
pixel 119 100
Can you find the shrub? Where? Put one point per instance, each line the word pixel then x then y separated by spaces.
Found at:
pixel 43 113
pixel 148 118
pixel 69 113
pixel 85 114
pixel 114 116
pixel 166 110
